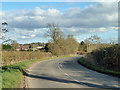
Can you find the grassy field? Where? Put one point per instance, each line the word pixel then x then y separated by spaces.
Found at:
pixel 98 69
pixel 12 75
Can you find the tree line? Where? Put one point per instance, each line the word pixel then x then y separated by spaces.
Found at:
pixel 58 44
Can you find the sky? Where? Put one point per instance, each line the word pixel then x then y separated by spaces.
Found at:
pixel 27 21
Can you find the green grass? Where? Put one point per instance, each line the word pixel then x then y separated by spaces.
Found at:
pixel 12 76
pixel 98 69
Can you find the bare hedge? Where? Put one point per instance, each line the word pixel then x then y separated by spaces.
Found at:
pixel 10 57
pixel 106 58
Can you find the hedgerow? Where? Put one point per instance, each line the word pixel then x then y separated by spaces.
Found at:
pixel 10 57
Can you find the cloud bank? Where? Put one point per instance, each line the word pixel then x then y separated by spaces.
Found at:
pixel 96 18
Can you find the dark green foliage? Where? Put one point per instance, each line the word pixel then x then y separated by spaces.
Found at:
pixel 7 47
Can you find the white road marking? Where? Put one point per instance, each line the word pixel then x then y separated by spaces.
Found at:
pixel 67 74
pixel 72 77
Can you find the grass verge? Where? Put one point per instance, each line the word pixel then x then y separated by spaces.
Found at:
pixel 98 69
pixel 12 75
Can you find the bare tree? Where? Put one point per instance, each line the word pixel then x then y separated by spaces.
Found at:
pixel 59 45
pixel 3 32
pixel 92 40
pixel 54 32
pixel 112 41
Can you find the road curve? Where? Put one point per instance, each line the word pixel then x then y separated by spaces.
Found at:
pixel 67 73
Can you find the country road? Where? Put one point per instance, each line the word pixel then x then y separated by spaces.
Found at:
pixel 67 73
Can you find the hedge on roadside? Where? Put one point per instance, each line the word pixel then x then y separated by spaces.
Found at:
pixel 107 58
pixel 98 69
pixel 10 57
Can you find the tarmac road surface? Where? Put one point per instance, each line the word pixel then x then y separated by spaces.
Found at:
pixel 67 73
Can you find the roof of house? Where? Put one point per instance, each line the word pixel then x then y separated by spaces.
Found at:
pixel 39 47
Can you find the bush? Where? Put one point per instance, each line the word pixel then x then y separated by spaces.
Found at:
pixel 7 47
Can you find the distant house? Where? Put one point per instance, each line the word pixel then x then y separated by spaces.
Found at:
pixel 34 46
pixel 40 48
pixel 22 47
pixel 17 49
pixel 25 47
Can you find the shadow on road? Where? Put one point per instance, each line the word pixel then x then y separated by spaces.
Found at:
pixel 68 81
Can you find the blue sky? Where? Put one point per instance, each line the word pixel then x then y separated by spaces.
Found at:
pixel 82 19
pixel 45 5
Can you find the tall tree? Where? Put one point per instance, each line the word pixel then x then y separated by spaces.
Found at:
pixel 54 32
pixel 58 44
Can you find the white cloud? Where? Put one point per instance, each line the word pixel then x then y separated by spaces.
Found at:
pixel 24 37
pixel 53 12
pixel 114 28
pixel 96 18
pixel 32 35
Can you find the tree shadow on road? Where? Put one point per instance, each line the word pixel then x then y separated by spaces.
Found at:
pixel 68 81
